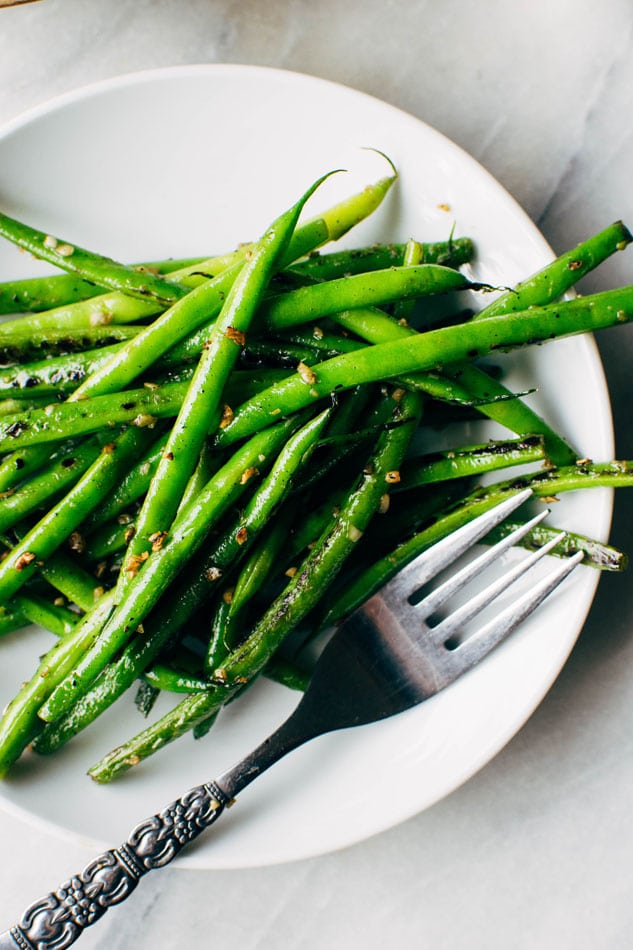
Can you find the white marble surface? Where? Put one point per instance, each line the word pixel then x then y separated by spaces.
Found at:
pixel 535 851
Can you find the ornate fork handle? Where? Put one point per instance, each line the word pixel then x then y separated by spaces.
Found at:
pixel 57 920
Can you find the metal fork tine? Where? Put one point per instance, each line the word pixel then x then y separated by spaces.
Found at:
pixel 429 564
pixel 462 615
pixel 429 604
pixel 475 648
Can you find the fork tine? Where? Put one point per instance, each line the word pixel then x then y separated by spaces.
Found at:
pixel 429 604
pixel 444 552
pixel 475 604
pixel 475 648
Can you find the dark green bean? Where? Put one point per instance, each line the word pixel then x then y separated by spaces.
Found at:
pixel 451 253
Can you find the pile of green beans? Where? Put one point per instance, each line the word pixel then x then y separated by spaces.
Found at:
pixel 202 457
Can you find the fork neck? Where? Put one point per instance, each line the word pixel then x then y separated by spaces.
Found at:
pixel 289 736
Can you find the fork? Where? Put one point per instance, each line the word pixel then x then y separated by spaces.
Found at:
pixel 385 658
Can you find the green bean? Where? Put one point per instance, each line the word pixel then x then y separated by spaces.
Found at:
pixel 204 394
pixel 23 343
pixel 602 556
pixel 93 267
pixel 451 253
pixel 556 278
pixel 308 584
pixel 309 303
pixel 280 353
pixel 469 460
pixel 73 581
pixel 166 678
pixel 58 421
pixel 50 532
pixel 150 581
pixel 544 483
pixel 113 310
pixel 54 376
pixel 12 619
pixel 55 619
pixel 316 338
pixel 32 294
pixel 445 346
pixel 413 254
pixel 466 384
pixel 60 474
pixel 20 724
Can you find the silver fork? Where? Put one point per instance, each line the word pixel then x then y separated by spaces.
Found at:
pixel 383 659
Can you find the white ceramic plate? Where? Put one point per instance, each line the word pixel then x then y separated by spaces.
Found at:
pixel 188 160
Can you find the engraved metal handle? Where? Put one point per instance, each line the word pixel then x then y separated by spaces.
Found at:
pixel 57 920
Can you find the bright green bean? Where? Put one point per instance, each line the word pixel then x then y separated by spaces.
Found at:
pixel 19 723
pixel 320 567
pixel 375 288
pixel 446 346
pixel 52 530
pixel 60 474
pixel 88 265
pixel 151 579
pixel 205 392
pixel 557 278
pixel 468 461
pixel 32 294
pixel 544 483
pixel 57 620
